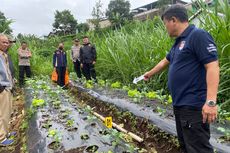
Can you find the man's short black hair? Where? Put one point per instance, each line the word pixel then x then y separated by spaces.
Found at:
pixel 177 11
pixel 76 40
pixel 85 37
pixel 12 41
pixel 24 42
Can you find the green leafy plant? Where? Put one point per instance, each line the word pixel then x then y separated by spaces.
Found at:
pixel 65 113
pixel 170 99
pixel 84 136
pixel 101 83
pixel 160 111
pixel 52 133
pixel 126 88
pixel 116 84
pixel 131 148
pixel 55 135
pixel 91 118
pixel 57 104
pixel 24 125
pixel 38 102
pixel 92 148
pixel 223 115
pixel 162 98
pixel 151 95
pixel 88 109
pixel 117 137
pixel 134 93
pixel 70 122
pixel 89 84
pixel 226 132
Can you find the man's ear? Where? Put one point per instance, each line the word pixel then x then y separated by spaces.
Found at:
pixel 174 19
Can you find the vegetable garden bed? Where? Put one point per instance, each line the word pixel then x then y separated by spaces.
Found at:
pixel 58 124
pixel 60 120
pixel 115 102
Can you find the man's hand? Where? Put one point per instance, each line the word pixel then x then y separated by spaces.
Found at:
pixel 15 80
pixel 159 67
pixel 209 113
pixel 94 62
pixel 147 76
pixel 29 54
pixel 81 65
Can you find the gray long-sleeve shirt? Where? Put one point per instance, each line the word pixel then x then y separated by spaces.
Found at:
pixel 75 53
pixel 24 57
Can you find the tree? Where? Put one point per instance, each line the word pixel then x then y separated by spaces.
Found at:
pixel 20 36
pixel 64 23
pixel 97 15
pixel 118 12
pixel 5 24
pixel 83 27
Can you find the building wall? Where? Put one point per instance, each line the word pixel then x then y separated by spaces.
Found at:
pixel 149 14
pixel 103 24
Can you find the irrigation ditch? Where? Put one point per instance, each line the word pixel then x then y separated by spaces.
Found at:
pixel 157 130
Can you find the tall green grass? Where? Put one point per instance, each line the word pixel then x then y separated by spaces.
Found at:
pixel 219 27
pixel 132 50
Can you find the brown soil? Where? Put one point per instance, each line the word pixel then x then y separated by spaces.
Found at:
pixel 154 139
pixel 17 117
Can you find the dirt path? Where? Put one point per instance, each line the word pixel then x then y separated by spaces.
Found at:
pixel 17 117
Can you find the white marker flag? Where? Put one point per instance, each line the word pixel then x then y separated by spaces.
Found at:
pixel 135 80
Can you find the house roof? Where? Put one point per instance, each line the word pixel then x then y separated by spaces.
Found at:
pixel 151 6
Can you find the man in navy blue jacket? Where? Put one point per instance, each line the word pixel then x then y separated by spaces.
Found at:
pixel 193 80
pixel 60 63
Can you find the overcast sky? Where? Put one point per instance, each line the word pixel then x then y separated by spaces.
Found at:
pixel 37 16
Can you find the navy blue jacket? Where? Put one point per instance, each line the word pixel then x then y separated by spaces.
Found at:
pixel 59 58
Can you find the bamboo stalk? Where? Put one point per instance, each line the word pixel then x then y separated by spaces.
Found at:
pixel 134 136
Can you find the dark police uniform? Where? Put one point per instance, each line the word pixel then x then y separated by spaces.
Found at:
pixel 187 83
pixel 87 56
pixel 60 63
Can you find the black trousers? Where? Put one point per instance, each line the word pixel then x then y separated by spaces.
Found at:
pixel 193 134
pixel 77 68
pixel 22 71
pixel 89 71
pixel 61 75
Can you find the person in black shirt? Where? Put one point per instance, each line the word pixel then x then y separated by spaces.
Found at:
pixel 88 59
